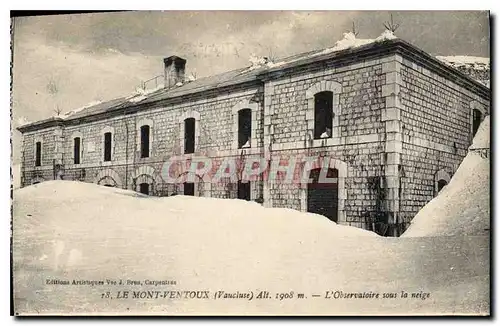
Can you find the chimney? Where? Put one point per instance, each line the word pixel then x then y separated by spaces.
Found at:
pixel 174 70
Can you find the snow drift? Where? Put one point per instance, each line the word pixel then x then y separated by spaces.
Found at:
pixel 65 230
pixel 463 206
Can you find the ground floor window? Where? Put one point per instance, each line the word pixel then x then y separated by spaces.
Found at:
pixel 322 195
pixel 441 184
pixel 244 190
pixel 188 188
pixel 144 188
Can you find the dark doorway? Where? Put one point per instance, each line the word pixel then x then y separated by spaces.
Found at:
pixel 145 141
pixel 323 115
pixel 477 117
pixel 243 190
pixel 322 197
pixel 144 188
pixel 441 184
pixel 188 188
pixel 189 135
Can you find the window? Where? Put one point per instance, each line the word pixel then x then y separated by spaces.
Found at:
pixel 441 184
pixel 244 128
pixel 477 117
pixel 189 135
pixel 144 188
pixel 145 141
pixel 323 197
pixel 107 146
pixel 38 153
pixel 243 190
pixel 188 188
pixel 76 150
pixel 323 115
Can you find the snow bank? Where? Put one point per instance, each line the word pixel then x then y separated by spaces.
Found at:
pixel 66 230
pixel 463 206
pixel 194 210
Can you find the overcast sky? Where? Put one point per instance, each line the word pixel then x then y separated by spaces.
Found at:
pixel 67 61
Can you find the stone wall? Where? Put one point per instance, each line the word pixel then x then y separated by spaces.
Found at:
pixel 215 133
pixel 357 142
pixel 397 129
pixel 29 172
pixel 436 132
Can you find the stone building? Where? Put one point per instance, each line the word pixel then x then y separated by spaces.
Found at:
pixel 390 122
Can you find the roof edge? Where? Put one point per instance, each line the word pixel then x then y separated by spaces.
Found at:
pixel 342 58
pixel 378 49
pixel 42 124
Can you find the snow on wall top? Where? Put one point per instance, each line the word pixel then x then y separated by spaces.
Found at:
pixel 349 41
pixel 477 63
pixel 72 112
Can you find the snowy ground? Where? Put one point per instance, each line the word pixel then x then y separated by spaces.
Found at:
pixel 68 230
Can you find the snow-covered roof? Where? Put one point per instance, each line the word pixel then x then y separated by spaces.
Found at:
pixel 345 47
pixel 477 63
pixel 72 112
pixel 349 41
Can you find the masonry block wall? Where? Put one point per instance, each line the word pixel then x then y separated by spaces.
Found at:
pixel 358 133
pixel 435 126
pixel 31 173
pixel 401 122
pixel 215 139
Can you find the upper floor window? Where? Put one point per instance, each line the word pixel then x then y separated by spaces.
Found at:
pixel 38 153
pixel 323 114
pixel 76 150
pixel 107 146
pixel 477 117
pixel 145 132
pixel 189 135
pixel 244 128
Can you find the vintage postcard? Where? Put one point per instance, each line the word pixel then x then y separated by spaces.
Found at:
pixel 251 163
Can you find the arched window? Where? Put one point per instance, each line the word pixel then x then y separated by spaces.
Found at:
pixel 189 135
pixel 76 150
pixel 244 190
pixel 441 179
pixel 188 188
pixel 144 188
pixel 145 141
pixel 108 139
pixel 441 184
pixel 323 196
pixel 38 153
pixel 477 117
pixel 244 128
pixel 323 114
